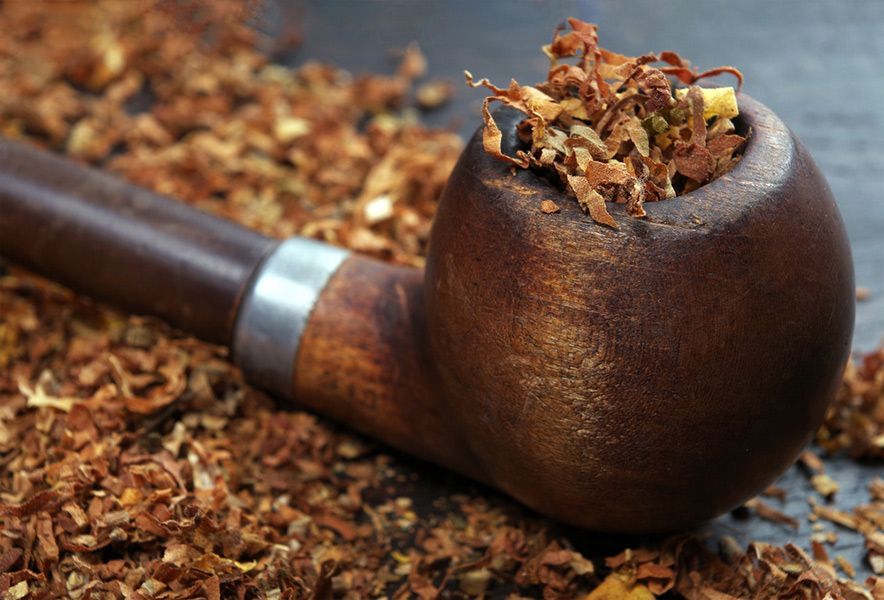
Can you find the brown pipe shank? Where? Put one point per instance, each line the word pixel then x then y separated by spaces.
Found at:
pixel 364 361
pixel 124 244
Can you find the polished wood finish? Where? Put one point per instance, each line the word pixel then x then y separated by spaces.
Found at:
pixel 364 361
pixel 649 378
pixel 124 244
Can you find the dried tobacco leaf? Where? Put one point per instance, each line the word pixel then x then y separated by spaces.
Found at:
pixel 825 486
pixel 434 94
pixel 119 483
pixel 855 420
pixel 766 511
pixel 615 588
pixel 613 114
pixel 549 207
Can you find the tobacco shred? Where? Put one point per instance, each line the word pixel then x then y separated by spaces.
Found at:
pixel 613 127
pixel 855 420
pixel 137 463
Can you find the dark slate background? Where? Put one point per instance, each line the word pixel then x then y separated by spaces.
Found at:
pixel 819 65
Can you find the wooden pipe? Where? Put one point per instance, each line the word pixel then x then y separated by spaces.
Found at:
pixel 644 379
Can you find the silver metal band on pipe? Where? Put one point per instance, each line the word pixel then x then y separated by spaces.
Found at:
pixel 274 312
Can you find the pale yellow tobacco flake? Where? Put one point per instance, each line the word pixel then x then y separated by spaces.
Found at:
pixel 717 102
pixel 615 588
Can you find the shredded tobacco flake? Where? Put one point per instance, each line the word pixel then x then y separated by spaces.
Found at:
pixel 855 420
pixel 613 127
pixel 766 511
pixel 549 207
pixel 137 463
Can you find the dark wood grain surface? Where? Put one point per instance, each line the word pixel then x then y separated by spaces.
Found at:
pixel 818 65
pixel 175 261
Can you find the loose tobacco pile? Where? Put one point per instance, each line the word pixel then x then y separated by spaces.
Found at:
pixel 135 462
pixel 614 129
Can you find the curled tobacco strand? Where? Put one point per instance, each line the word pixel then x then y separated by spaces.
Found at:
pixel 614 114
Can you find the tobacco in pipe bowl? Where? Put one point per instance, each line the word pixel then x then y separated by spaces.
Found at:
pixel 634 380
